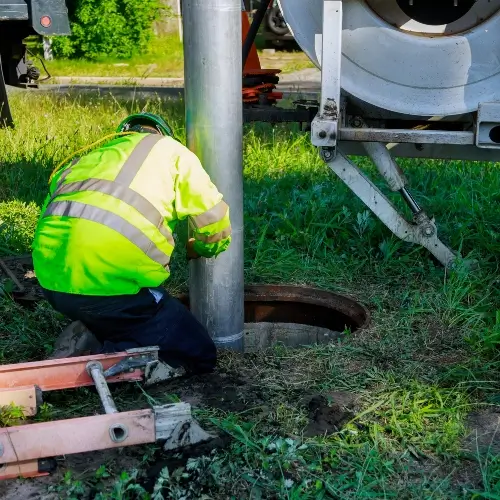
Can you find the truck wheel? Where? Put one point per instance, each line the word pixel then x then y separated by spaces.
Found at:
pixel 276 22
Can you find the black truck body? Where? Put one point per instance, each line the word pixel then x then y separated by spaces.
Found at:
pixel 18 20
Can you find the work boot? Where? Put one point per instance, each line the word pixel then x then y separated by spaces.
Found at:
pixel 75 340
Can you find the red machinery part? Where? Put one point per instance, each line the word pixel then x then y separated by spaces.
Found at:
pixel 252 94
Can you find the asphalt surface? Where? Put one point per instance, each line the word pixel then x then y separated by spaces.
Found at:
pixel 305 84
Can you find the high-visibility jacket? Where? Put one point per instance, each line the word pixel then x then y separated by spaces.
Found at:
pixel 106 227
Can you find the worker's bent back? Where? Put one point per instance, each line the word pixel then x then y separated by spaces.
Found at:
pixel 106 227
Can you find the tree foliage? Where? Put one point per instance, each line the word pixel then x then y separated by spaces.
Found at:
pixel 116 28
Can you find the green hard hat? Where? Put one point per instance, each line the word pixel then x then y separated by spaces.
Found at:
pixel 147 119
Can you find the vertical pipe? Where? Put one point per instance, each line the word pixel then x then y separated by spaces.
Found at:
pixel 214 118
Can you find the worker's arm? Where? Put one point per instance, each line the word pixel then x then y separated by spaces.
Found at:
pixel 198 199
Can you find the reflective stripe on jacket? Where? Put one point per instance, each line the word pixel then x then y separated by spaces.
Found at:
pixel 106 227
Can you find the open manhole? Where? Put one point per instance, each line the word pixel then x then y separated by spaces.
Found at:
pixel 274 314
pixel 297 316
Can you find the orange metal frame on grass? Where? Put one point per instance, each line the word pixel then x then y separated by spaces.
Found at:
pixel 58 374
pixel 22 446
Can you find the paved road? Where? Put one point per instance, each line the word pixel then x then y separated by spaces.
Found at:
pixel 306 84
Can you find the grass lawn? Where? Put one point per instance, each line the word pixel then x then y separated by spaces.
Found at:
pixel 421 384
pixel 164 59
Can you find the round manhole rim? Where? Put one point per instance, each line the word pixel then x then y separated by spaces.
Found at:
pixel 345 305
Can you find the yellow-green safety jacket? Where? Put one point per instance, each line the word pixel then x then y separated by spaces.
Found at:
pixel 106 226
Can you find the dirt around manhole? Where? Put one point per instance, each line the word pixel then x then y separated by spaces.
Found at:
pixel 329 413
pixel 259 336
pixel 229 392
pixel 226 392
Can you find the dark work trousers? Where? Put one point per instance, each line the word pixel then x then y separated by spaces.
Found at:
pixel 130 321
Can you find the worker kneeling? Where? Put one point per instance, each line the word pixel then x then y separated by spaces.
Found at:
pixel 105 236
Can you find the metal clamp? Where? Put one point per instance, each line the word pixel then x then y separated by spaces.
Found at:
pixel 324 127
pixel 128 365
pixel 155 371
pixel 139 358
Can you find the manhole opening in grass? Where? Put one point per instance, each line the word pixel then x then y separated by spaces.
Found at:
pixel 294 316
pixel 297 316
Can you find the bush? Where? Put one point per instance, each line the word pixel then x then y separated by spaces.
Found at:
pixel 116 28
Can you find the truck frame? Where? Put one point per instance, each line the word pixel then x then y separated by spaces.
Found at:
pixel 20 19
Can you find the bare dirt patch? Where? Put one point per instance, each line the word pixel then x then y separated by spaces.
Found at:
pixel 19 274
pixel 329 413
pixel 27 489
pixel 243 393
pixel 484 432
pixel 224 391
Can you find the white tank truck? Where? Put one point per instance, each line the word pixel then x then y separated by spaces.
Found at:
pixel 405 78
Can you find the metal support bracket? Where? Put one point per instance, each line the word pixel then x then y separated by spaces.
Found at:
pixel 155 371
pixel 386 165
pixel 392 173
pixel 175 424
pixel 325 126
pixel 422 231
pixel 158 371
pixel 139 358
